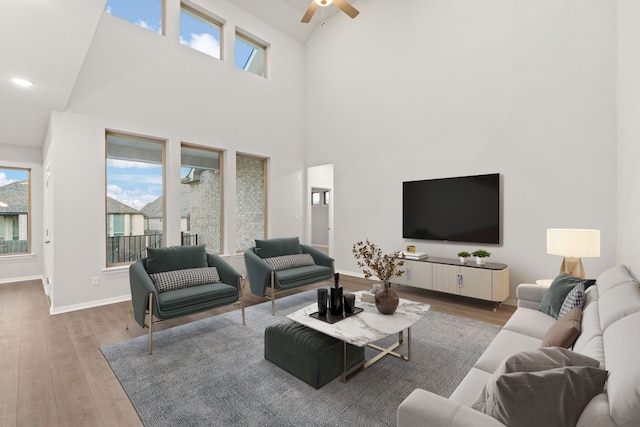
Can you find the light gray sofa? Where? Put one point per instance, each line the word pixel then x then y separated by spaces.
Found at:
pixel 610 333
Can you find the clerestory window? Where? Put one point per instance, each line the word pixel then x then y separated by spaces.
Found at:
pixel 251 54
pixel 200 31
pixel 148 14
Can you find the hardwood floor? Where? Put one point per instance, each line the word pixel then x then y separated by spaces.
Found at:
pixel 53 373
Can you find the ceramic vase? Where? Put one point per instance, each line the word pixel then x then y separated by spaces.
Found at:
pixel 386 300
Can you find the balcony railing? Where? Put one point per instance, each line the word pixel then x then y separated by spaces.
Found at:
pixel 123 249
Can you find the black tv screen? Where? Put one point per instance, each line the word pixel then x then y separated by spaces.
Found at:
pixel 461 209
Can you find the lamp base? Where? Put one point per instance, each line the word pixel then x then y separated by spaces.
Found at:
pixel 572 266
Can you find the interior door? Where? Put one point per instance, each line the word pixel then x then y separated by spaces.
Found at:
pixel 48 233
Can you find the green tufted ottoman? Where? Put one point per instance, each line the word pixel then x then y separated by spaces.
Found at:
pixel 307 354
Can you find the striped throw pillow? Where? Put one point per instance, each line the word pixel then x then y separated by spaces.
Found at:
pixel 186 278
pixel 575 298
pixel 285 262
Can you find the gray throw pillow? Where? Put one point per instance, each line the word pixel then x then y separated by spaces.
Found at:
pixel 554 297
pixel 175 258
pixel 544 387
pixel 186 278
pixel 269 248
pixel 285 262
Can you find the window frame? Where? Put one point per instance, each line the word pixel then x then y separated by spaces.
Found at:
pixel 208 18
pixel 163 148
pixel 256 42
pixel 29 250
pixel 163 18
pixel 222 198
pixel 265 161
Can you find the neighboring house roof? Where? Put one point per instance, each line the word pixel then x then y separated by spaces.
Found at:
pixel 14 198
pixel 116 207
pixel 154 209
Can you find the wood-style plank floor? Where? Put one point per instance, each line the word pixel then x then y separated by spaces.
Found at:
pixel 52 372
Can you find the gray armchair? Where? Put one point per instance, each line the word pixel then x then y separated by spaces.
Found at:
pixel 178 281
pixel 283 263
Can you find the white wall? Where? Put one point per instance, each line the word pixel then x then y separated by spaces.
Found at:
pixel 629 133
pixel 27 266
pixel 442 88
pixel 137 81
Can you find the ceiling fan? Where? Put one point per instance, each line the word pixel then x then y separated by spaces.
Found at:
pixel 342 5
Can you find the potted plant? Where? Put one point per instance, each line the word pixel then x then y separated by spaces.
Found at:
pixel 463 256
pixel 374 262
pixel 480 255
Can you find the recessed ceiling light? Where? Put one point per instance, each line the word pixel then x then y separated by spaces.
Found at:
pixel 22 82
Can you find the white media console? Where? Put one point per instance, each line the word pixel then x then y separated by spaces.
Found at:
pixel 488 282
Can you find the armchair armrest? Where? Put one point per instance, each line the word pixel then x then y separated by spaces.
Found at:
pixel 318 257
pixel 141 286
pixel 530 295
pixel 425 409
pixel 227 273
pixel 259 272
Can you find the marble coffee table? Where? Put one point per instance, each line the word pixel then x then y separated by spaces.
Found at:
pixel 364 328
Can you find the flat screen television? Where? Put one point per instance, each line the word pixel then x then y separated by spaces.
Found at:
pixel 460 209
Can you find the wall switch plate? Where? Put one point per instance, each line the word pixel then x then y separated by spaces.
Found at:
pixel 95 281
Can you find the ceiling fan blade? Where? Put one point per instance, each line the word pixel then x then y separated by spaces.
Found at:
pixel 309 13
pixel 346 8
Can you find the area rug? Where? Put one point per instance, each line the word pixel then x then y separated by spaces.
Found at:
pixel 212 372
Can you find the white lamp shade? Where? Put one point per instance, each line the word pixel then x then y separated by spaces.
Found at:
pixel 572 242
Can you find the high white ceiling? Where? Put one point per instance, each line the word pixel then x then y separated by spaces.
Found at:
pixel 46 41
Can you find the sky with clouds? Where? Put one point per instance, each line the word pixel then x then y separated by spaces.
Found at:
pixel 7 176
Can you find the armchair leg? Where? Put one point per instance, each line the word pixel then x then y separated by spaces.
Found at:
pixel 243 283
pixel 129 316
pixel 273 294
pixel 150 324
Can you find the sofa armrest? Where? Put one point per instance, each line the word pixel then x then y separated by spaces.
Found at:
pixel 141 286
pixel 227 273
pixel 318 257
pixel 258 271
pixel 425 409
pixel 530 295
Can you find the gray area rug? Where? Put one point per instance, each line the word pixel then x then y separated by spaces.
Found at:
pixel 212 372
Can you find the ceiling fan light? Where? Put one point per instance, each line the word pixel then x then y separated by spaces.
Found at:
pixel 323 3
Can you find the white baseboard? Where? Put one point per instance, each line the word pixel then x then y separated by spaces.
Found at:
pixel 90 304
pixel 21 279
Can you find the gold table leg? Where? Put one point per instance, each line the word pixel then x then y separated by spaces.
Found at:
pixel 384 352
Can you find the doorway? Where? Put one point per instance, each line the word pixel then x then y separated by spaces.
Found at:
pixel 320 207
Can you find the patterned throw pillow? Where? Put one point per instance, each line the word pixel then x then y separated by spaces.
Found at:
pixel 575 298
pixel 186 278
pixel 289 261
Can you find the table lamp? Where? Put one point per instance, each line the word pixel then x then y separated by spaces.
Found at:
pixel 573 244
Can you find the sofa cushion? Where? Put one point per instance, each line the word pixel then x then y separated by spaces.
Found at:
pixel 504 345
pixel 530 322
pixel 185 278
pixel 285 262
pixel 175 258
pixel 590 326
pixel 564 332
pixel 300 274
pixel 618 302
pixel 546 386
pixel 613 277
pixel 188 297
pixel 574 299
pixel 269 248
pixel 554 297
pixel 623 349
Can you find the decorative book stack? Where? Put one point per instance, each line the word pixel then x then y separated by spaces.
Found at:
pixel 368 297
pixel 414 255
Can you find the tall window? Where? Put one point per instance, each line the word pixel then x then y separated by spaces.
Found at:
pixel 15 206
pixel 251 196
pixel 134 202
pixel 201 198
pixel 251 54
pixel 145 13
pixel 199 31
